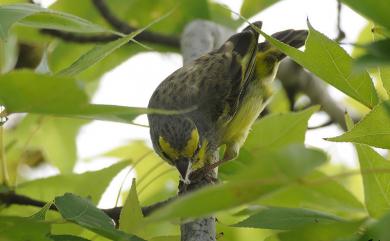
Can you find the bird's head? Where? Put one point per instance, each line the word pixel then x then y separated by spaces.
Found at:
pixel 180 143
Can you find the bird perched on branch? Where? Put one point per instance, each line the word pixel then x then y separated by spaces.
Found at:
pixel 227 89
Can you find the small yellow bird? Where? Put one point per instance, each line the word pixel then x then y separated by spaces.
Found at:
pixel 227 86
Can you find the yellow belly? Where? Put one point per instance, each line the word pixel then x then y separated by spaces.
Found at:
pixel 239 127
pixel 237 130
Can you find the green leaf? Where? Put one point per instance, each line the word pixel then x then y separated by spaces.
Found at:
pixel 67 238
pixel 157 180
pixel 131 214
pixel 35 16
pixel 252 7
pixel 166 238
pixel 280 129
pixel 58 185
pixel 376 10
pixel 385 76
pixel 100 52
pixel 377 54
pixel 41 214
pixel 26 91
pixel 286 218
pixel 326 59
pixel 378 230
pixel 373 129
pixel 376 180
pixel 246 187
pixel 54 137
pixel 84 213
pixel 22 229
pixel 333 231
pixel 326 196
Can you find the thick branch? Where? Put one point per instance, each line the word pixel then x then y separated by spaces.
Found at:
pixel 293 75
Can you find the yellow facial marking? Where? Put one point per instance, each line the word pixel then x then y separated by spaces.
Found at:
pixel 172 153
pixel 201 159
pixel 192 144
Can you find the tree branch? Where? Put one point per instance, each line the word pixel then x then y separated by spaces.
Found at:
pixel 121 26
pixel 11 198
pixel 293 75
pixel 198 38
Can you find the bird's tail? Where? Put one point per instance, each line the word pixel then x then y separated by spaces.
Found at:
pixel 294 38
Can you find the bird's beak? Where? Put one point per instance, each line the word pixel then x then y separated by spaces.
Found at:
pixel 183 165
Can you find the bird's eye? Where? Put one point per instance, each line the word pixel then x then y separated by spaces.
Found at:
pixel 197 150
pixel 165 155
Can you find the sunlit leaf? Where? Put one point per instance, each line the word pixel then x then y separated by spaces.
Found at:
pixel 41 214
pixel 385 76
pixel 285 218
pixel 373 129
pixel 375 179
pixel 100 52
pixel 326 59
pixel 252 7
pixel 131 214
pixel 26 91
pixel 36 16
pixel 84 213
pixel 80 184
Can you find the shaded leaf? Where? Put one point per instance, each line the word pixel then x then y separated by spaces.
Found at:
pixel 326 196
pixel 84 213
pixel 378 230
pixel 377 54
pixel 67 238
pixel 326 59
pixel 373 129
pixel 244 188
pixel 286 218
pixel 55 185
pixel 376 10
pixel 252 7
pixel 333 231
pixel 36 16
pixel 131 213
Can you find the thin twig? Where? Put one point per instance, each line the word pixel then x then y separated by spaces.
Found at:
pixel 341 33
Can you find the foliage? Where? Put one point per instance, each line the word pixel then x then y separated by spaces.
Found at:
pixel 277 183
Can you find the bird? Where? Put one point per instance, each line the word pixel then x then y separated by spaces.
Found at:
pixel 225 91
